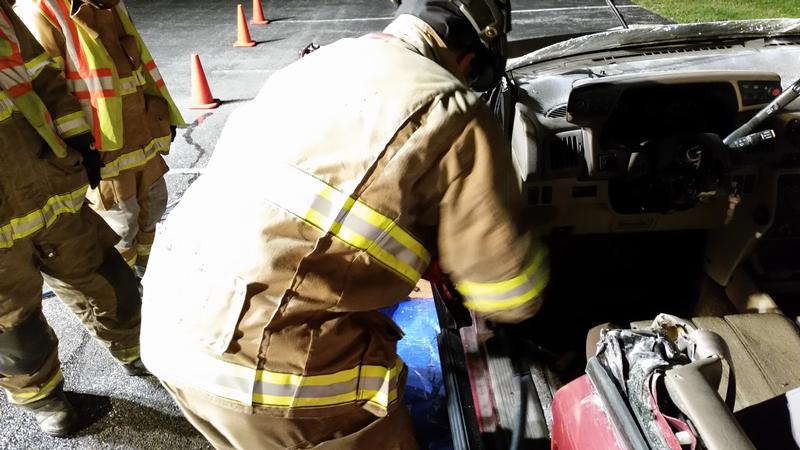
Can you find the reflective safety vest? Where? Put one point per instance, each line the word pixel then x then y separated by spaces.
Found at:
pixel 15 80
pixel 92 77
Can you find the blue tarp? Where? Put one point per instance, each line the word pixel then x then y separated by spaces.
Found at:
pixel 425 393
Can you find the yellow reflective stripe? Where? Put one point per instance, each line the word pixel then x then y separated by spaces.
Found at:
pixel 90 83
pixel 298 380
pixel 349 220
pixel 58 63
pixel 36 65
pixel 494 305
pixel 365 383
pixel 508 294
pixel 400 235
pixel 136 158
pixel 131 84
pixel 126 355
pixel 6 106
pixel 131 261
pixel 368 383
pixel 144 249
pixel 24 226
pixel 474 289
pixel 24 398
pixel 71 124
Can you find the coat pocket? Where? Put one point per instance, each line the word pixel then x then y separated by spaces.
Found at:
pixel 157 116
pixel 131 48
pixel 70 164
pixel 219 315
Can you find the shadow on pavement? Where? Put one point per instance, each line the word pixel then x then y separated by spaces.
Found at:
pixel 118 423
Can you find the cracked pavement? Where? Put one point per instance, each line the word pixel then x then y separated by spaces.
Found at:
pixel 136 413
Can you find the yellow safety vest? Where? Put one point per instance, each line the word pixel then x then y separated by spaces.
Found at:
pixel 18 94
pixel 92 77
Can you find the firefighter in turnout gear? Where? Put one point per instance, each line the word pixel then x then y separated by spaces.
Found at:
pixel 323 202
pixel 48 233
pixel 133 119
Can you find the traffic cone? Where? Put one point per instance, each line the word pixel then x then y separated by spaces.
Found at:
pixel 242 33
pixel 258 14
pixel 201 94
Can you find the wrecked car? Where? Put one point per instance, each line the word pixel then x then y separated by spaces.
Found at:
pixel 661 164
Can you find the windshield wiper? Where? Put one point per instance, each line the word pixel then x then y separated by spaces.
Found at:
pixel 618 14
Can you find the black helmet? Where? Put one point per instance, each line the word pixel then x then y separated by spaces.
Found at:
pixel 480 26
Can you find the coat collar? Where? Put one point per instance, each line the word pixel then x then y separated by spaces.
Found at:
pixel 420 37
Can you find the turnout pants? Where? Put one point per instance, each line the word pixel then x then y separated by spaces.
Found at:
pixel 77 259
pixel 360 430
pixel 132 203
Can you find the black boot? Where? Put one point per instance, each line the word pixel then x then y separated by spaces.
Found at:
pixel 135 368
pixel 54 414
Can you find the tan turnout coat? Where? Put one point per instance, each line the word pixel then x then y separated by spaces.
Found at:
pixel 36 186
pixel 325 199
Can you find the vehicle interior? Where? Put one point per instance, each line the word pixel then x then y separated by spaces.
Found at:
pixel 665 179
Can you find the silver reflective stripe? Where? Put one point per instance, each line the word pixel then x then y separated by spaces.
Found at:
pixel 90 84
pixel 136 158
pixel 66 127
pixel 35 66
pixel 350 220
pixel 6 106
pixel 63 23
pixel 401 252
pixel 13 76
pixel 289 390
pixel 511 293
pixel 21 227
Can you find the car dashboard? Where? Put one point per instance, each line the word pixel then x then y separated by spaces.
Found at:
pixel 643 152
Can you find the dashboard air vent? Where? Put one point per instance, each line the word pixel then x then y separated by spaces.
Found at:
pixel 661 51
pixel 566 150
pixel 781 42
pixel 557 112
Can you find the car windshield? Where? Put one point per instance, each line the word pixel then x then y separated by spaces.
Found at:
pixel 784 31
pixel 651 22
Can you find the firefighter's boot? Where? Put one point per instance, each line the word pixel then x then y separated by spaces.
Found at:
pixel 54 414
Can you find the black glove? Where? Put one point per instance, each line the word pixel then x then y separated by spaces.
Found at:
pixel 92 162
pixel 173 132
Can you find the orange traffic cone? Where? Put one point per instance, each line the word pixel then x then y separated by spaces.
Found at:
pixel 201 94
pixel 242 33
pixel 258 14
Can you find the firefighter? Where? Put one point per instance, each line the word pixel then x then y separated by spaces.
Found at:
pixel 48 233
pixel 325 200
pixel 111 72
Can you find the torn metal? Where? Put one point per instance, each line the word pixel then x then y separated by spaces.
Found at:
pixel 632 357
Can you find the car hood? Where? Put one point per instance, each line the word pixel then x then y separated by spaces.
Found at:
pixel 649 35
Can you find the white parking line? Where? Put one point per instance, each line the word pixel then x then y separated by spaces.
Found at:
pixel 354 19
pixel 518 11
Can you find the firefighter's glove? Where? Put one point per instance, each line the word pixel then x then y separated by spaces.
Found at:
pixel 92 162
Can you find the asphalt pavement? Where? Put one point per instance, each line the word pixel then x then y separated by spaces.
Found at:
pixel 135 413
